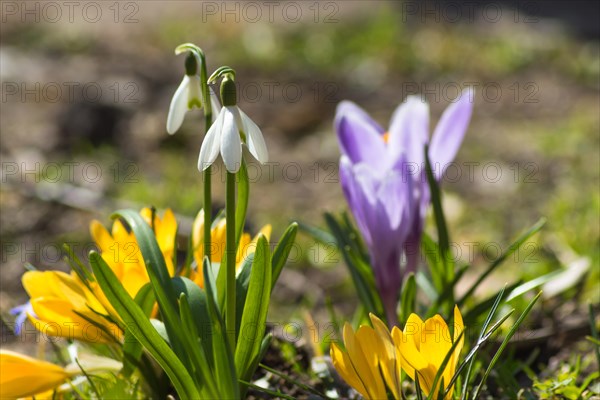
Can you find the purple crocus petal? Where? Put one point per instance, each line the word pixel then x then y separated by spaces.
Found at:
pixel 349 108
pixel 409 131
pixel 21 313
pixel 359 136
pixel 349 187
pixel 449 132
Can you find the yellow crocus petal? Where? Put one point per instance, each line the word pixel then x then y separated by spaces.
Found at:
pixel 451 369
pixel 118 231
pixel 459 327
pixel 371 379
pixel 345 368
pixel 370 346
pixel 68 288
pixel 101 236
pixel 36 284
pixel 217 241
pixel 265 230
pixel 248 247
pixel 390 364
pixel 55 317
pixel 168 230
pixel 408 353
pixel 412 329
pixel 59 285
pixel 245 248
pixel 22 376
pixel 165 228
pixel 435 340
pixel 198 230
pixel 133 279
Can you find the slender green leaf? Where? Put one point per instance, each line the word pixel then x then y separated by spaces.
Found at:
pixel 532 284
pixel 424 283
pixel 159 278
pixel 223 360
pixel 320 235
pixel 132 348
pixel 409 297
pixel 242 282
pixel 254 317
pixel 440 222
pixel 282 251
pixel 139 325
pixel 361 274
pixel 243 194
pixel 207 382
pixel 436 268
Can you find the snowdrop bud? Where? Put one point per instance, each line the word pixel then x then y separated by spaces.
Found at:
pixel 191 64
pixel 228 92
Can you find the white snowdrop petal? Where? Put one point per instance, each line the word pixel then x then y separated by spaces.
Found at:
pixel 215 104
pixel 255 140
pixel 178 106
pixel 231 144
pixel 210 146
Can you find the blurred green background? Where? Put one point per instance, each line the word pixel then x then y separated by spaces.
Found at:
pixel 86 89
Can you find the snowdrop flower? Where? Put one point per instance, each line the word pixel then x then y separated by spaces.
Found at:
pixel 188 95
pixel 231 128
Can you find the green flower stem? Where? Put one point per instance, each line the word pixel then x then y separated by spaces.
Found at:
pixel 207 172
pixel 207 212
pixel 230 251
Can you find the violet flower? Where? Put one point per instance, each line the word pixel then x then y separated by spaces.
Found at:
pixel 382 204
pixel 400 151
pixel 21 312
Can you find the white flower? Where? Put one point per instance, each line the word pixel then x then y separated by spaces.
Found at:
pixel 188 95
pixel 224 136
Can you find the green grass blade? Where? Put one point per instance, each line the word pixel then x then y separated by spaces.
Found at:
pixel 594 331
pixel 510 334
pixel 497 262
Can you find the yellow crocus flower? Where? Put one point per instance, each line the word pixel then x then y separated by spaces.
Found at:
pixel 63 306
pixel 23 376
pixel 120 249
pixel 423 346
pixel 218 238
pixel 359 364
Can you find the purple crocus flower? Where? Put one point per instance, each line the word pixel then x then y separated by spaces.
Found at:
pixel 21 313
pixel 398 152
pixel 381 204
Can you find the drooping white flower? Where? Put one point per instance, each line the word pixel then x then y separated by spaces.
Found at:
pixel 225 137
pixel 187 95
